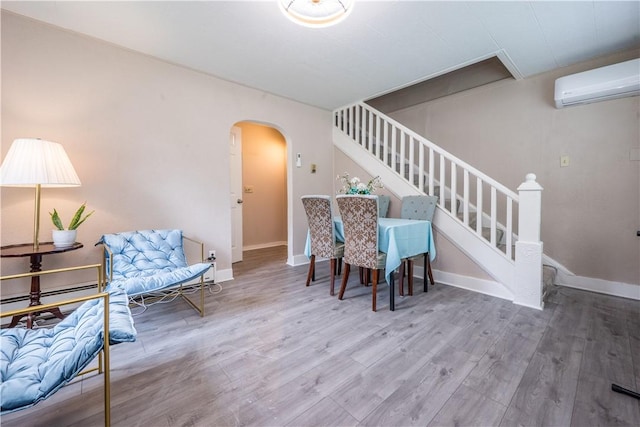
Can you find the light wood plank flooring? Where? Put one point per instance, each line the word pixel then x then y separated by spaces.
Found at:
pixel 271 352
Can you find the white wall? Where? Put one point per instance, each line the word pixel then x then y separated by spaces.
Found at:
pixel 148 139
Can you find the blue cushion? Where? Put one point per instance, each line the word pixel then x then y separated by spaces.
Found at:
pixel 145 252
pixel 138 285
pixel 149 260
pixel 35 363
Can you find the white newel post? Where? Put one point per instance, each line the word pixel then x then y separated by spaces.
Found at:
pixel 528 287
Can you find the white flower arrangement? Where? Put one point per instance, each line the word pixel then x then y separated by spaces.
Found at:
pixel 355 186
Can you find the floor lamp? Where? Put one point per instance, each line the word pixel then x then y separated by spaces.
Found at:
pixel 37 163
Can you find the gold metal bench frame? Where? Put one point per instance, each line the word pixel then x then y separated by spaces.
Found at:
pixel 103 355
pixel 179 290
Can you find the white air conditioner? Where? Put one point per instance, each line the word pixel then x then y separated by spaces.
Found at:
pixel 613 81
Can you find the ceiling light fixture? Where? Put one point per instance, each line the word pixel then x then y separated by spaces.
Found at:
pixel 316 13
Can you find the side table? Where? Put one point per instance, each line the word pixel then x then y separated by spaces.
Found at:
pixel 35 255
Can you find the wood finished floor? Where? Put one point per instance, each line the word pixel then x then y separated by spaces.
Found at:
pixel 271 352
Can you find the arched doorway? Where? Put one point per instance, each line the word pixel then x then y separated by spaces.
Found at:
pixel 259 199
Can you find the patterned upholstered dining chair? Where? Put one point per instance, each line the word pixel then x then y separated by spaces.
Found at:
pixel 323 236
pixel 420 207
pixel 360 220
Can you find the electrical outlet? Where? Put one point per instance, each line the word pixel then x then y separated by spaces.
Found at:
pixel 212 253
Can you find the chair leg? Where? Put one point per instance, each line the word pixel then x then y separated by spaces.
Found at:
pixel 426 273
pixel 361 271
pixel 333 275
pixel 410 276
pixel 402 274
pixel 339 266
pixel 312 267
pixel 392 296
pixel 345 277
pixel 374 289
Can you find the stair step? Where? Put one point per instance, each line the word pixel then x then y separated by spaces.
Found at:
pixel 473 219
pixel 486 231
pixel 447 205
pixel 549 274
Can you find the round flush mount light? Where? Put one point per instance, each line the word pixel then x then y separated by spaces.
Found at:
pixel 316 13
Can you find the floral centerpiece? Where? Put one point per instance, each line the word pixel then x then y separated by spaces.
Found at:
pixel 355 186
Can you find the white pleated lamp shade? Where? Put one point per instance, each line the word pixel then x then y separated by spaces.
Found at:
pixel 33 161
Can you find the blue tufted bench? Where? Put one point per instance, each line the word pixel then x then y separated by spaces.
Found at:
pixel 35 363
pixel 142 262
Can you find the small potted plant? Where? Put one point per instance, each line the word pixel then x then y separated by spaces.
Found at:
pixel 62 237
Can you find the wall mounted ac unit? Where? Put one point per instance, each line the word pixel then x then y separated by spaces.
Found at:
pixel 610 82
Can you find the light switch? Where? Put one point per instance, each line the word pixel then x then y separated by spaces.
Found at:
pixel 564 161
pixel 298 160
pixel 313 168
pixel 248 188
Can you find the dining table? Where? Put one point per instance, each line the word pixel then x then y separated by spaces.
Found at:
pixel 398 238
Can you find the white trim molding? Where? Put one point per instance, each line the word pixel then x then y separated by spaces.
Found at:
pixel 617 289
pixel 483 286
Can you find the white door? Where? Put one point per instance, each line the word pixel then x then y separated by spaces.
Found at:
pixel 235 153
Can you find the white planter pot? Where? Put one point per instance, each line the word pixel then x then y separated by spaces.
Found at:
pixel 64 238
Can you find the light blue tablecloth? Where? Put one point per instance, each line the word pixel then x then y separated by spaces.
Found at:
pixel 398 238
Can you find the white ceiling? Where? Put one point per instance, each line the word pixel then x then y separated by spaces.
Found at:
pixel 382 46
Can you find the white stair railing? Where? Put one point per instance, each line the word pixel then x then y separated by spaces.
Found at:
pixel 416 160
pixel 466 194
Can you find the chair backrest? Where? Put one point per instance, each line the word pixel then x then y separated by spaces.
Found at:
pixel 360 220
pixel 320 218
pixel 144 252
pixel 418 207
pixel 383 205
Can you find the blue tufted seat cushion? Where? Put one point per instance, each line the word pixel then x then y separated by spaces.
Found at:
pixel 35 363
pixel 149 260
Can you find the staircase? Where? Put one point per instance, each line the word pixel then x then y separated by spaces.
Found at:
pixel 487 221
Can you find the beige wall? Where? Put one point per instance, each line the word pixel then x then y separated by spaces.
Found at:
pixel 148 139
pixel 264 171
pixel 591 209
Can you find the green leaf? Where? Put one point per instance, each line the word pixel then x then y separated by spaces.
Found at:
pixel 55 218
pixel 75 221
pixel 76 217
pixel 77 224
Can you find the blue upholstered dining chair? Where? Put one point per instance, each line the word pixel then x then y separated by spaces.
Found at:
pixel 421 207
pixel 360 220
pixel 383 205
pixel 323 236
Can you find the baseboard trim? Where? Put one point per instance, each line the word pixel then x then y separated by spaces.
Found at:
pixel 483 286
pixel 264 246
pixel 488 287
pixel 300 259
pixel 51 295
pixel 224 275
pixel 616 289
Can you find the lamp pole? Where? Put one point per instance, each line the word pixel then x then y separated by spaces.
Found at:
pixel 36 220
